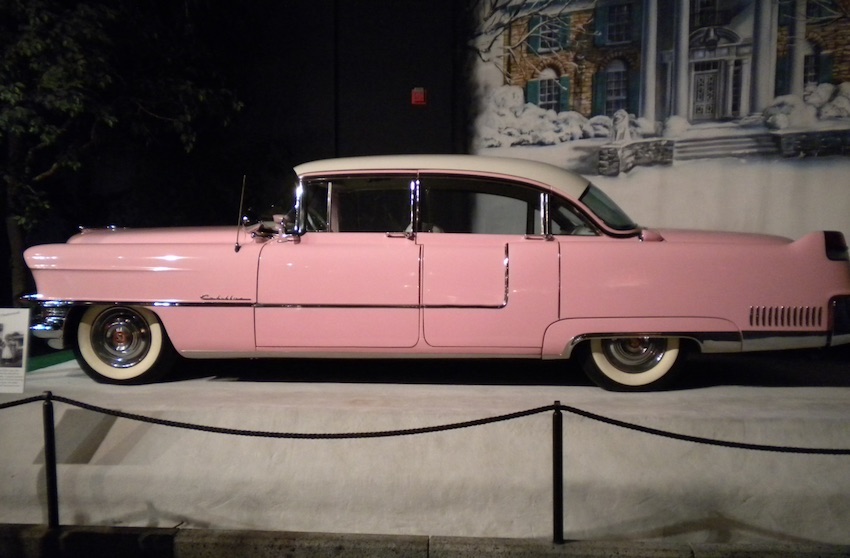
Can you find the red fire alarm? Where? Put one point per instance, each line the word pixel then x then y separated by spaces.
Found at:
pixel 418 97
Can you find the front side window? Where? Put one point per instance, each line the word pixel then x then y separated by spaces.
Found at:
pixel 313 202
pixel 357 204
pixel 478 206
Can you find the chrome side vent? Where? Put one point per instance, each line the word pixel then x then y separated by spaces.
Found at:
pixel 786 316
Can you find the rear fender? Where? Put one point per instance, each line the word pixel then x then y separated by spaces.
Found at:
pixel 710 334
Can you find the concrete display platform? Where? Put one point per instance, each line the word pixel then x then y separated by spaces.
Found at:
pixel 22 541
pixel 490 482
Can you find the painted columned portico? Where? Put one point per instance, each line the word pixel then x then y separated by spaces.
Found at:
pixel 650 57
pixel 798 48
pixel 681 78
pixel 764 55
pixel 750 76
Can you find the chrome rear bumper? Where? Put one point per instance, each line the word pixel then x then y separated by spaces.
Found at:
pixel 840 321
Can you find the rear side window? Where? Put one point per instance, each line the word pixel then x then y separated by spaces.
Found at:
pixel 565 219
pixel 478 206
pixel 605 208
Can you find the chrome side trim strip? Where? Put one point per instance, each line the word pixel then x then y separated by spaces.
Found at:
pixel 720 342
pixel 782 340
pixel 336 306
pixel 219 304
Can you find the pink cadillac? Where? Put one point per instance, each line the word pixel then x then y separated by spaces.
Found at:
pixel 438 256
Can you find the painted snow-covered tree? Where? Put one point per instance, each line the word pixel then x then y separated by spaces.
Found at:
pixel 76 76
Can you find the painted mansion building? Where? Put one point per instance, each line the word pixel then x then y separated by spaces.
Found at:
pixel 701 59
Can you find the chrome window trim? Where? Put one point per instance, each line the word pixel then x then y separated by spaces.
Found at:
pixel 545 225
pixel 329 211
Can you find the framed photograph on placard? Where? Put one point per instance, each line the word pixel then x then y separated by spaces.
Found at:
pixel 13 349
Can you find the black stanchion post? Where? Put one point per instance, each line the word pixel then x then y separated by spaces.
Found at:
pixel 50 462
pixel 558 474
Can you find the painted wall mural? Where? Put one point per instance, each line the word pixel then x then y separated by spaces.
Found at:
pixel 722 114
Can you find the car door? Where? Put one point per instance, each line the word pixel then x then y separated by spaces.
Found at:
pixel 490 277
pixel 352 279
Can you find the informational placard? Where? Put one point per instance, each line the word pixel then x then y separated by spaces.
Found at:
pixel 14 324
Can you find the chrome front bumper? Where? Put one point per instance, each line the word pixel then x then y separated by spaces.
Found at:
pixel 47 319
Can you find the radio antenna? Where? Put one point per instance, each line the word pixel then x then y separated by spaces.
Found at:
pixel 239 218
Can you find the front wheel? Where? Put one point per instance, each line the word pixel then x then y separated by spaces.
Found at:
pixel 633 363
pixel 123 345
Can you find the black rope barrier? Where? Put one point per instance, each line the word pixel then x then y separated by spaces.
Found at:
pixel 304 435
pixel 430 429
pixel 557 441
pixel 701 440
pixel 19 402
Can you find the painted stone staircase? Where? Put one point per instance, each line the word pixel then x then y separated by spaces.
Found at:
pixel 707 145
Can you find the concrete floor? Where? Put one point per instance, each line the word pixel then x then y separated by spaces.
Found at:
pixel 487 481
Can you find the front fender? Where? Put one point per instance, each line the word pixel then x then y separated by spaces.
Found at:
pixel 145 273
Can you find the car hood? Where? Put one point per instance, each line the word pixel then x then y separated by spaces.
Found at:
pixel 715 237
pixel 174 235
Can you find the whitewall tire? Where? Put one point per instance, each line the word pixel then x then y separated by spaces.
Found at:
pixel 123 345
pixel 637 363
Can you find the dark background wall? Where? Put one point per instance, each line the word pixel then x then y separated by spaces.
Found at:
pixel 333 78
pixel 318 78
pixel 383 52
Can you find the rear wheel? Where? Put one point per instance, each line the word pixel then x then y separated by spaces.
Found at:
pixel 123 345
pixel 633 363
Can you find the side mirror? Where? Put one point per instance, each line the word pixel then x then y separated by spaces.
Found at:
pixel 285 229
pixel 280 224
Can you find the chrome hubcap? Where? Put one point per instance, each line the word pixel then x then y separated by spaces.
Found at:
pixel 121 337
pixel 634 355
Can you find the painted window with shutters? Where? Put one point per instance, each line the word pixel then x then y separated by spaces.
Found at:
pixel 710 13
pixel 549 91
pixel 619 23
pixel 548 34
pixel 616 87
pixel 811 69
pixel 818 67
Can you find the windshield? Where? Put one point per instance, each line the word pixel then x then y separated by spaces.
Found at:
pixel 605 208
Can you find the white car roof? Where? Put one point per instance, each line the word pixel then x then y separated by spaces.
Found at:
pixel 569 183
